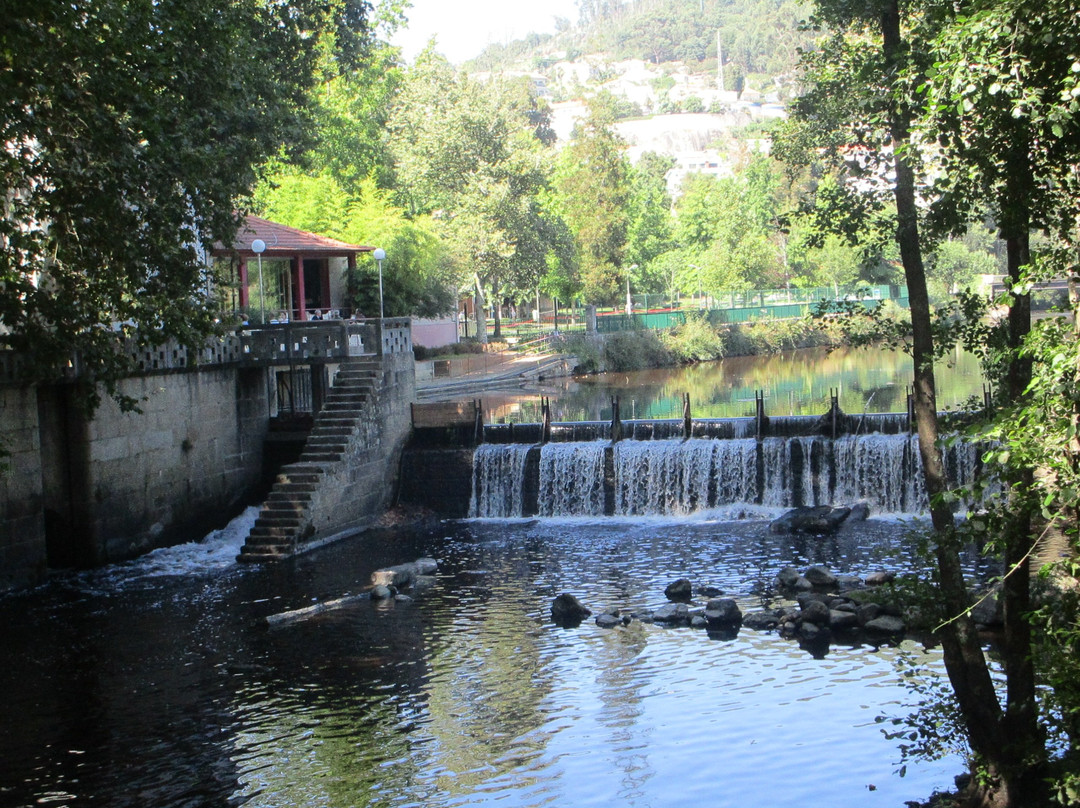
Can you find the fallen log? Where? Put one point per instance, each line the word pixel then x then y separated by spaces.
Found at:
pixel 283 618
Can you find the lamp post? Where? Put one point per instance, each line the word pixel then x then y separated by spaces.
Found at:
pixel 257 247
pixel 380 256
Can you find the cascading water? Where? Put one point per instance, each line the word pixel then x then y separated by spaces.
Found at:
pixel 571 479
pixel 679 477
pixel 498 470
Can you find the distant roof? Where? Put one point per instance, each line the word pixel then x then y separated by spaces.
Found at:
pixel 281 241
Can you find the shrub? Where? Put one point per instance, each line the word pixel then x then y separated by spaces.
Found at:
pixel 465 346
pixel 635 350
pixel 695 341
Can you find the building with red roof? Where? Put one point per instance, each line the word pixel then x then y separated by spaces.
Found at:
pixel 293 275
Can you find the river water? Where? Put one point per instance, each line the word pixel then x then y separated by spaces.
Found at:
pixel 792 383
pixel 158 682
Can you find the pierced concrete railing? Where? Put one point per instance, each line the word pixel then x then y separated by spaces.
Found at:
pixel 279 344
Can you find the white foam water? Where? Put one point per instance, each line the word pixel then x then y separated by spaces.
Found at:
pixel 683 477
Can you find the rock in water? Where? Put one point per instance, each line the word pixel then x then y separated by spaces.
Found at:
pixel 723 612
pixel 567 610
pixel 820 520
pixel 681 589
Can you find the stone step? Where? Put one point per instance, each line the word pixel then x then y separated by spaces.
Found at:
pixel 298 477
pixel 277 519
pixel 263 554
pixel 340 412
pixel 270 532
pixel 319 455
pixel 283 500
pixel 340 428
pixel 341 406
pixel 296 487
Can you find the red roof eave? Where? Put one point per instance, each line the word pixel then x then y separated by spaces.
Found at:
pixel 284 242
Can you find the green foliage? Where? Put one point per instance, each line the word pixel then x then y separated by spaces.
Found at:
pixel 418 276
pixel 634 350
pixel 695 341
pixel 471 157
pixel 592 191
pixel 128 151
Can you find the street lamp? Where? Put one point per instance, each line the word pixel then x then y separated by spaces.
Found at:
pixel 629 300
pixel 257 247
pixel 380 256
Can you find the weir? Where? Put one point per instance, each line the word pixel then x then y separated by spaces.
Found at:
pixel 672 467
pixel 677 477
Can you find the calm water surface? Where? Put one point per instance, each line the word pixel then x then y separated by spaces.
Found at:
pixel 793 383
pixel 157 683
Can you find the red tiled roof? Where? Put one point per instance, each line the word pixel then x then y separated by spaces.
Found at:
pixel 285 241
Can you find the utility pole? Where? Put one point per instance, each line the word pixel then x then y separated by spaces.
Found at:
pixel 719 63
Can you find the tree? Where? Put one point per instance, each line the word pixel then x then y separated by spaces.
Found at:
pixel 649 232
pixel 880 86
pixel 472 157
pixel 592 189
pixel 127 152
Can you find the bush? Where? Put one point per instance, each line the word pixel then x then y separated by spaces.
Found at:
pixel 621 351
pixel 465 346
pixel 635 350
pixel 695 341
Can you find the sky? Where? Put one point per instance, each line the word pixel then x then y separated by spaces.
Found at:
pixel 463 28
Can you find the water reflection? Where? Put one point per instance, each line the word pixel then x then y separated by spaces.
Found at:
pixel 793 383
pixel 122 689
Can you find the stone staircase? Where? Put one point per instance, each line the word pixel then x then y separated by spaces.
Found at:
pixel 285 519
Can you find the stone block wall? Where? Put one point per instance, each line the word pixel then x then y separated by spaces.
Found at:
pixel 22 520
pixel 77 492
pixel 180 467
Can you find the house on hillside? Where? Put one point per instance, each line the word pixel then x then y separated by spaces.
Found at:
pixel 294 275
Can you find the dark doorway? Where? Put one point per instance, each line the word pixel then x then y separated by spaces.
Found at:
pixel 316 285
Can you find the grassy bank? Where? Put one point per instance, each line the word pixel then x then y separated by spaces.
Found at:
pixel 696 341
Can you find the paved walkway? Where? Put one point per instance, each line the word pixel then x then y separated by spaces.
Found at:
pixel 476 372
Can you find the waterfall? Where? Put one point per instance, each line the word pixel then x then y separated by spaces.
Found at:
pixel 571 479
pixel 679 477
pixel 498 470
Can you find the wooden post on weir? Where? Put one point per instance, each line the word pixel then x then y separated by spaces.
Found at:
pixel 616 421
pixel 834 412
pixel 759 413
pixel 911 409
pixel 687 421
pixel 479 422
pixel 545 415
pixel 988 398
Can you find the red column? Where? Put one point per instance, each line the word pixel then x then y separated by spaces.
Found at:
pixel 299 303
pixel 243 283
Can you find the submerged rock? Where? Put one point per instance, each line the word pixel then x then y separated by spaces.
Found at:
pixel 672 614
pixel 886 624
pixel 820 577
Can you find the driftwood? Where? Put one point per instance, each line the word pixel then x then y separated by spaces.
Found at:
pixel 283 618
pixel 400 576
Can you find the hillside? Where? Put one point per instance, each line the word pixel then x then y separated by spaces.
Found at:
pixel 759 41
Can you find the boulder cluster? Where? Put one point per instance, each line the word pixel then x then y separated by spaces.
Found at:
pixel 820 605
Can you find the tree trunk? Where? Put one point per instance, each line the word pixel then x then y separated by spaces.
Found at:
pixel 964 660
pixel 478 311
pixel 1026 746
pixel 497 300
